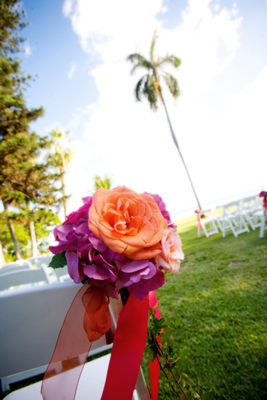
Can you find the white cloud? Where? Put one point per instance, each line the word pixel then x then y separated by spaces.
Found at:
pixel 68 7
pixel 108 26
pixel 125 139
pixel 27 50
pixel 71 71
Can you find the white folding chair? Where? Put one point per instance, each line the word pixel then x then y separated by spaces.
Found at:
pixel 23 277
pixel 62 274
pixel 232 219
pixel 30 323
pixel 208 225
pixel 251 208
pixel 15 265
pixel 43 261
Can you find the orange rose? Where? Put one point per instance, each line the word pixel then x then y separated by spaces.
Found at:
pixel 127 222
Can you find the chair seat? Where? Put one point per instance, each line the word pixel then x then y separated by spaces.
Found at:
pixel 91 383
pixel 90 386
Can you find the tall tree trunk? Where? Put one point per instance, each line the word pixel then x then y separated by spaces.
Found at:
pixel 179 151
pixel 2 257
pixel 32 233
pixel 13 235
pixel 64 195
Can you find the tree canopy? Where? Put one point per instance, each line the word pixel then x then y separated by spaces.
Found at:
pixel 28 181
pixel 149 85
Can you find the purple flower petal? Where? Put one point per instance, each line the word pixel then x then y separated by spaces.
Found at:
pixel 140 277
pixel 97 243
pixel 83 229
pixel 61 232
pixel 108 254
pixel 87 199
pixel 101 261
pixel 78 216
pixel 96 272
pixel 134 266
pixel 73 266
pixel 83 251
pixel 71 244
pixel 119 257
pixel 141 289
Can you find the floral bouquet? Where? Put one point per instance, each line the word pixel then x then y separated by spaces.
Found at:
pixel 118 242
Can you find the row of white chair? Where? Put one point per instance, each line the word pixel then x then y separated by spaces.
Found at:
pixel 235 216
pixel 32 271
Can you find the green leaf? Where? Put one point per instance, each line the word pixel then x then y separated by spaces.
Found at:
pixel 58 261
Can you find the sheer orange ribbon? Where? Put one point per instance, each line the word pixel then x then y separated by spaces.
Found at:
pixel 75 339
pixel 80 329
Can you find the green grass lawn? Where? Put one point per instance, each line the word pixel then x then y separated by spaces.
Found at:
pixel 217 306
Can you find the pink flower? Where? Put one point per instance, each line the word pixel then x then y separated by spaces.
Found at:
pixel 169 258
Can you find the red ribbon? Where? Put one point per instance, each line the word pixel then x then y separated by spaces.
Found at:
pixel 265 203
pixel 78 331
pixel 128 348
pixel 154 367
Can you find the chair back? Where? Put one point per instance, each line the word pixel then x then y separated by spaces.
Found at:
pixel 30 323
pixel 42 261
pixel 16 265
pixel 7 269
pixel 62 274
pixel 231 208
pixel 250 203
pixel 22 277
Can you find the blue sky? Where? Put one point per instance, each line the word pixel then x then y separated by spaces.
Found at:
pixel 78 49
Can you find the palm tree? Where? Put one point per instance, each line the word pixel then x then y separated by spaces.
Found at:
pixel 149 86
pixel 61 157
pixel 102 183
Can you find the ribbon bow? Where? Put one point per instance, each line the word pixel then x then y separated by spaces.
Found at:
pixel 198 219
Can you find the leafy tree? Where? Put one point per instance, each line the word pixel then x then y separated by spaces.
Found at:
pixel 23 179
pixel 38 188
pixel 102 183
pixel 44 221
pixel 149 86
pixel 12 20
pixel 60 157
pixel 22 235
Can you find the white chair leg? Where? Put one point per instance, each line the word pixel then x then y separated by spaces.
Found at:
pixel 262 228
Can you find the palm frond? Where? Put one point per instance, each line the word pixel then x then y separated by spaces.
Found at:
pixel 171 60
pixel 136 57
pixel 152 48
pixel 172 84
pixel 145 64
pixel 150 91
pixel 138 87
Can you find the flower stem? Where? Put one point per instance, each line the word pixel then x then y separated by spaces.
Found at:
pixel 160 352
